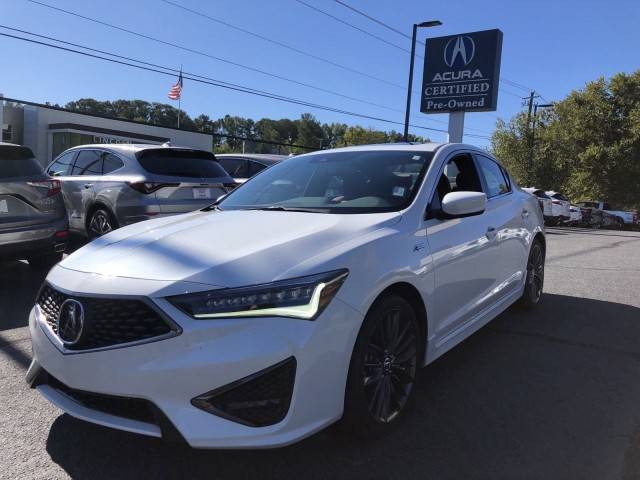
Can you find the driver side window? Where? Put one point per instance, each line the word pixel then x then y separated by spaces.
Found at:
pixel 459 175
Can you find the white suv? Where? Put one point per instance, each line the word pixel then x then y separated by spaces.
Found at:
pixel 312 292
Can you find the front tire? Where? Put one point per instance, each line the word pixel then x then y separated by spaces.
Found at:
pixel 534 282
pixel 382 372
pixel 100 223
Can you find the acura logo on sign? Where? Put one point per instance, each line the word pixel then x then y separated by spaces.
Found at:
pixel 70 321
pixel 462 47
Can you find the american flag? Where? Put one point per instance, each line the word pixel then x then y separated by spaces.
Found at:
pixel 176 90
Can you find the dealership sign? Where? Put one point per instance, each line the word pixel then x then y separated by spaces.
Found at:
pixel 462 72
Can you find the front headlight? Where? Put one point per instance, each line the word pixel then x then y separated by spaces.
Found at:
pixel 302 297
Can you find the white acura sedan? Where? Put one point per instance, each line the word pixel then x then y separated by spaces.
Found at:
pixel 311 293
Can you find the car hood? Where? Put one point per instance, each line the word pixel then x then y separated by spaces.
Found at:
pixel 228 248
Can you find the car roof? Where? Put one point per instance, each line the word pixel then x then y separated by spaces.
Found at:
pixel 407 146
pixel 129 148
pixel 265 158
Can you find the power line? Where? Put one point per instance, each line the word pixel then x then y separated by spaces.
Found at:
pixel 399 32
pixel 344 22
pixel 213 82
pixel 373 19
pixel 213 57
pixel 281 44
pixel 205 54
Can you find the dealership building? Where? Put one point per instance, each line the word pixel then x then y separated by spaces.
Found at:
pixel 49 131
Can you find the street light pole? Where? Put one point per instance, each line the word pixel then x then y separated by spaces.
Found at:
pixel 410 88
pixel 431 23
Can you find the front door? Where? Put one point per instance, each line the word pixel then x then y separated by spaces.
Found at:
pixel 463 251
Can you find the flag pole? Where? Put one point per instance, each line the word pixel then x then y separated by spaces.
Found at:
pixel 180 99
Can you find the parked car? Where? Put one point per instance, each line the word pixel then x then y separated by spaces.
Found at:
pixel 33 220
pixel 312 293
pixel 596 218
pixel 546 204
pixel 242 166
pixel 560 205
pixel 621 217
pixel 575 215
pixel 108 186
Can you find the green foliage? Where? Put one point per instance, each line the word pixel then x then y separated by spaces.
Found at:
pixel 306 131
pixel 587 145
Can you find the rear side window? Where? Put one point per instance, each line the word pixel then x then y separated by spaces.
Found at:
pixel 255 167
pixel 496 182
pixel 18 161
pixel 62 166
pixel 181 163
pixel 89 162
pixel 111 163
pixel 236 167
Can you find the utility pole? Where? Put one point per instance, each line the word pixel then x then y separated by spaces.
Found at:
pixel 532 96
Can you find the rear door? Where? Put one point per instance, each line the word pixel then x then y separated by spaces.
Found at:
pixel 183 179
pixel 509 216
pixel 27 195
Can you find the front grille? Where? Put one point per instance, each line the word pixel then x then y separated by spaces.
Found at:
pixel 108 321
pixel 258 400
pixel 125 407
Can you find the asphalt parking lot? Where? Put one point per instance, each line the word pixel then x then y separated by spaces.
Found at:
pixel 553 393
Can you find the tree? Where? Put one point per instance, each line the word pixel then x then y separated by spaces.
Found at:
pixel 310 133
pixel 587 145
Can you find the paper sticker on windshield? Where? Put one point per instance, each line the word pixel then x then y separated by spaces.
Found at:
pixel 4 208
pixel 416 157
pixel 398 191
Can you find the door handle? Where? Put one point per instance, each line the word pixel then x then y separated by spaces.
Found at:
pixel 491 233
pixel 88 185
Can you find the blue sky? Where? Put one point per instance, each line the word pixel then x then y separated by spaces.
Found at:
pixel 551 46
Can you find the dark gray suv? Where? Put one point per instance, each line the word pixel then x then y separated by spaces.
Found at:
pixel 109 186
pixel 33 220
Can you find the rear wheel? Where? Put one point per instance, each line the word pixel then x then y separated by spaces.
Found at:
pixel 383 366
pixel 534 282
pixel 100 223
pixel 44 262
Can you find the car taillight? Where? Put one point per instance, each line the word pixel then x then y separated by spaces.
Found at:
pixel 52 186
pixel 62 234
pixel 150 187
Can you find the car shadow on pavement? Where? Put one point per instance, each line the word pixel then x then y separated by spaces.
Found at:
pixel 19 285
pixel 552 390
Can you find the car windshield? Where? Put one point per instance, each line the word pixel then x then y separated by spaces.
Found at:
pixel 336 182
pixel 18 161
pixel 181 163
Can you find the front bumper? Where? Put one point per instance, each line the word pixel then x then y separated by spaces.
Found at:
pixel 207 355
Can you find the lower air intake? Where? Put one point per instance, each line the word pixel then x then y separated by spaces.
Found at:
pixel 259 400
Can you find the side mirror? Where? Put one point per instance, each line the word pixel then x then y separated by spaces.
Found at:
pixel 463 204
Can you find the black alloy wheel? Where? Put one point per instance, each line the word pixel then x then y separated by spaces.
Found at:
pixel 535 276
pixel 382 373
pixel 390 365
pixel 101 223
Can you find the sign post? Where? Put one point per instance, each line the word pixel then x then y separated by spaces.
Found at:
pixel 461 74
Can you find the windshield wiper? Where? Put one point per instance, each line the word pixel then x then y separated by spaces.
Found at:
pixel 280 208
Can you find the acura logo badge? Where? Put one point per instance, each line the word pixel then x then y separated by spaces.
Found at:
pixel 70 321
pixel 462 47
